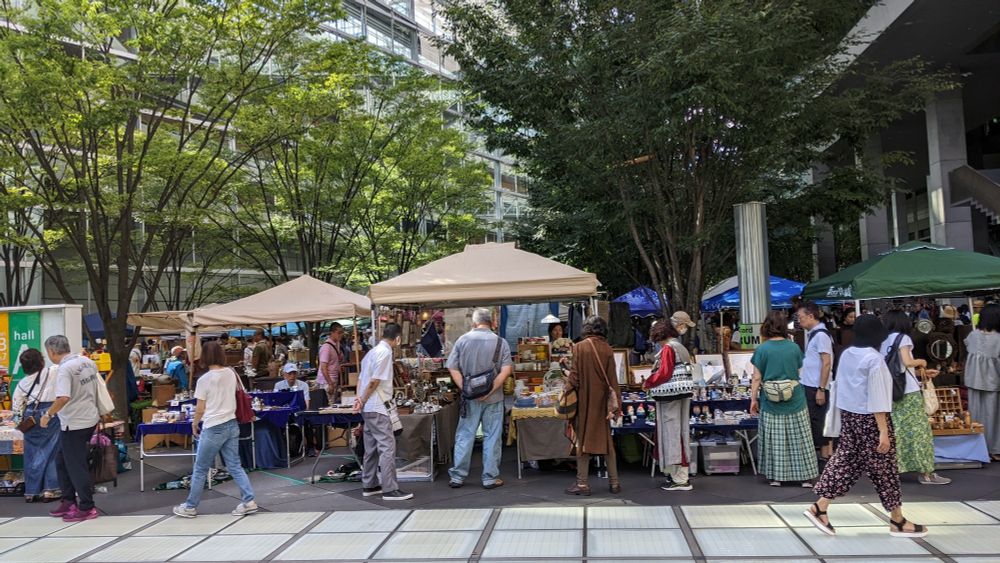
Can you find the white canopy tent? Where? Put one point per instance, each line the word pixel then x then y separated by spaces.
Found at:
pixel 486 274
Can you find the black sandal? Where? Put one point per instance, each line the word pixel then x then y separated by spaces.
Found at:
pixel 919 530
pixel 814 517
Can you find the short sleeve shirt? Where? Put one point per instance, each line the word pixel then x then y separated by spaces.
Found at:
pixel 812 364
pixel 77 379
pixel 473 354
pixel 300 386
pixel 377 365
pixel 780 360
pixel 328 354
pixel 864 384
pixel 912 385
pixel 218 389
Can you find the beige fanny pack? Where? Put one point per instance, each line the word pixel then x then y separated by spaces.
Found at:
pixel 780 391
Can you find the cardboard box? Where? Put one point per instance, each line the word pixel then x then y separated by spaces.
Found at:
pixel 352 379
pixel 336 437
pixel 298 355
pixel 163 394
pixel 156 440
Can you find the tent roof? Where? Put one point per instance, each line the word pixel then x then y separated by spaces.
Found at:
pixel 642 301
pixel 302 299
pixel 912 269
pixel 782 293
pixel 486 274
pixel 159 320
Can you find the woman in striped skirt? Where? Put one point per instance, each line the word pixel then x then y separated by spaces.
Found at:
pixel 785 443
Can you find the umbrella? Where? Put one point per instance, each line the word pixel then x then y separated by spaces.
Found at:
pixel 642 301
pixel 726 295
pixel 912 269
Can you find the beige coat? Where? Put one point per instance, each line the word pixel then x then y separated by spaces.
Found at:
pixel 597 394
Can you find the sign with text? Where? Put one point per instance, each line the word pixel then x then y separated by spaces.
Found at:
pixel 749 336
pixel 18 332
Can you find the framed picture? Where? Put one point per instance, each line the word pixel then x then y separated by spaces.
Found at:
pixel 621 365
pixel 739 364
pixel 639 374
pixel 711 368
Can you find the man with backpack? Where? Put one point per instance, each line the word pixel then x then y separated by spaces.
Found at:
pixel 817 367
pixel 479 364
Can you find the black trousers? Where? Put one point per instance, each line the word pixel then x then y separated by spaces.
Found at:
pixel 817 416
pixel 71 465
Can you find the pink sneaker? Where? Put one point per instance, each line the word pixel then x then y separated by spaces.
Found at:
pixel 77 515
pixel 63 509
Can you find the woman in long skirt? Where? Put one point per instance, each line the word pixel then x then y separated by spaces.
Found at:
pixel 982 376
pixel 673 426
pixel 867 441
pixel 33 396
pixel 914 440
pixel 785 443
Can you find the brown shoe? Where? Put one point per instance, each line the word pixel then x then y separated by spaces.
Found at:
pixel 615 488
pixel 580 489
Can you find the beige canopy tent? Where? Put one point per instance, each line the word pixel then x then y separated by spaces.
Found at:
pixel 486 274
pixel 302 299
pixel 165 322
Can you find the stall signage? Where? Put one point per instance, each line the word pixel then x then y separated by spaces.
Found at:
pixel 18 332
pixel 749 336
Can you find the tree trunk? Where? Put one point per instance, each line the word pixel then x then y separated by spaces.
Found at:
pixel 117 346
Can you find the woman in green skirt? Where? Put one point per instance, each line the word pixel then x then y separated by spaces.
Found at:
pixel 785 443
pixel 914 440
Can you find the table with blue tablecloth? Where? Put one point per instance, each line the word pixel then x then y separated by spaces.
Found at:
pixel 961 449
pixel 294 399
pixel 272 437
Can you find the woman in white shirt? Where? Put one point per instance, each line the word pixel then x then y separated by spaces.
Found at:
pixel 914 439
pixel 33 396
pixel 867 443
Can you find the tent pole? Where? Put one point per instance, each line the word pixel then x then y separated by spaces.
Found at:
pixel 356 346
pixel 722 333
pixel 857 307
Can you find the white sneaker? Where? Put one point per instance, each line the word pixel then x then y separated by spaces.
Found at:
pixel 244 508
pixel 184 511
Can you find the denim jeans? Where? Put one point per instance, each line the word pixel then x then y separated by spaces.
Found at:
pixel 491 417
pixel 224 440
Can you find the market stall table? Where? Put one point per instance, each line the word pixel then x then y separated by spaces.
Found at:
pixel 427 438
pixel 741 431
pixel 540 434
pixel 157 428
pixel 347 420
pixel 269 423
pixel 960 451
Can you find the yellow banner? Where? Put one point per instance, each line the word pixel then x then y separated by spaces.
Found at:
pixel 4 341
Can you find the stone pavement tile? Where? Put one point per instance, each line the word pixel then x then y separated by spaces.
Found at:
pixel 331 547
pixel 228 548
pixel 942 514
pixel 991 507
pixel 7 544
pixel 547 543
pixel 107 526
pixel 136 549
pixel 893 560
pixel 637 543
pixel 993 559
pixel 860 541
pixel 446 520
pixel 200 526
pixel 732 516
pixel 273 523
pixel 966 540
pixel 841 515
pixel 32 527
pixel 625 517
pixel 770 561
pixel 546 518
pixel 429 545
pixel 49 550
pixel 361 521
pixel 749 542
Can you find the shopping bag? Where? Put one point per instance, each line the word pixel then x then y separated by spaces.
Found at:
pixel 831 424
pixel 931 404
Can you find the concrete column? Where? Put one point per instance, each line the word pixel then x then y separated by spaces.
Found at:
pixel 874 226
pixel 824 245
pixel 946 151
pixel 753 270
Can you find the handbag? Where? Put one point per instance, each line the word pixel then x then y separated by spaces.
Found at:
pixel 105 404
pixel 831 424
pixel 931 404
pixel 244 406
pixel 102 458
pixel 481 384
pixel 680 383
pixel 781 390
pixel 28 422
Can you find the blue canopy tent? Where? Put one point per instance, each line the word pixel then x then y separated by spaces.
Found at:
pixel 95 326
pixel 642 302
pixel 726 295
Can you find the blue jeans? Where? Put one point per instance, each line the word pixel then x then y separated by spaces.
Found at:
pixel 224 440
pixel 491 416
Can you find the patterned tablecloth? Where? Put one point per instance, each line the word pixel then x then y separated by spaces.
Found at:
pixel 521 414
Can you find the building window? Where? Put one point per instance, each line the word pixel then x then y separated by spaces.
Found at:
pixel 379 33
pixel 351 24
pixel 403 7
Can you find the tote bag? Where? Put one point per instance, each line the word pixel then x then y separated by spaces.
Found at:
pixel 831 424
pixel 244 406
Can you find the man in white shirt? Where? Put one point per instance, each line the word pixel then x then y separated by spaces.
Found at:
pixel 817 366
pixel 291 382
pixel 378 471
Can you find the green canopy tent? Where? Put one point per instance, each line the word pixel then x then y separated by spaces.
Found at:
pixel 910 270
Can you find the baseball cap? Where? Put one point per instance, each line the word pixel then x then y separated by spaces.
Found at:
pixel 682 318
pixel 290 368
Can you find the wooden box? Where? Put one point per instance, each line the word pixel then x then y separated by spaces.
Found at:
pixel 157 440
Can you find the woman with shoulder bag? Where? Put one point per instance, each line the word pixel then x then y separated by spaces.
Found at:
pixel 216 394
pixel 673 412
pixel 784 438
pixel 598 403
pixel 914 439
pixel 33 396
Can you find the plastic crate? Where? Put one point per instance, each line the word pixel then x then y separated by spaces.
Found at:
pixel 720 457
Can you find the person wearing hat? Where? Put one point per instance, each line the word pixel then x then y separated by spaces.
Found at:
pixel 176 367
pixel 291 382
pixel 682 322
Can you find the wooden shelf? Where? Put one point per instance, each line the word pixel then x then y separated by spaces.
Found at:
pixel 957 431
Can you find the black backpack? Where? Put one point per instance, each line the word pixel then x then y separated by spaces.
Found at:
pixel 897 369
pixel 837 351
